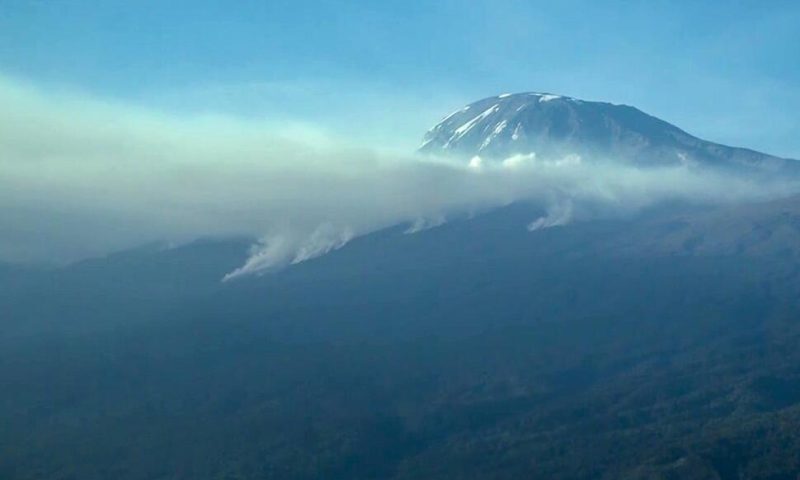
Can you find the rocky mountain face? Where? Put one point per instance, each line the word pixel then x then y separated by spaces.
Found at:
pixel 545 124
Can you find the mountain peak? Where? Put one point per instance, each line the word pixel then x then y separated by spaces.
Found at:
pixel 549 124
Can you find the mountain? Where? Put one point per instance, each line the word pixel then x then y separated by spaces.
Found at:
pixel 500 126
pixel 621 348
pixel 659 345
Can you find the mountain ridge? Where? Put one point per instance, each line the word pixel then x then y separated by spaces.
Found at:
pixel 547 124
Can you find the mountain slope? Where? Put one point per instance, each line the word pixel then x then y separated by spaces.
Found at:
pixel 473 350
pixel 500 126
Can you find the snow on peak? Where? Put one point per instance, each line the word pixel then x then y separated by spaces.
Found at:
pixel 465 128
pixel 541 97
pixel 515 135
pixel 497 130
pixel 548 97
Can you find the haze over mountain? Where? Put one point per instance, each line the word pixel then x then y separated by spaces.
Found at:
pixel 554 125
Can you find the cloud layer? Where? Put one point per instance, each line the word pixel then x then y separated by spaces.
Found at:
pixel 81 177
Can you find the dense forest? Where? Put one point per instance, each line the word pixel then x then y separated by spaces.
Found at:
pixel 475 350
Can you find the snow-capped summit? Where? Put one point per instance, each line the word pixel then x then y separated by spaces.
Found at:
pixel 548 124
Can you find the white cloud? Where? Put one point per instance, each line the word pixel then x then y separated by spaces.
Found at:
pixel 81 177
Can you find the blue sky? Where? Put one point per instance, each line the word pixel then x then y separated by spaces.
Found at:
pixel 385 71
